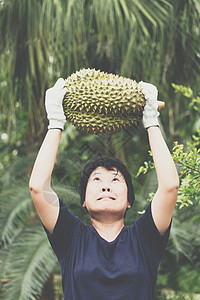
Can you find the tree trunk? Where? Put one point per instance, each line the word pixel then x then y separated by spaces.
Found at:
pixel 48 292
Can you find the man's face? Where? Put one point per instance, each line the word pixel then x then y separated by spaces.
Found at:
pixel 106 191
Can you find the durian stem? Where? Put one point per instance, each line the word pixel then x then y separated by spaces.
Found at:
pixel 161 105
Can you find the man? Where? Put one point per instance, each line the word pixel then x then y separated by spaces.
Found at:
pixel 107 260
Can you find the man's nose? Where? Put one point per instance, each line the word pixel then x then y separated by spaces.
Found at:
pixel 105 189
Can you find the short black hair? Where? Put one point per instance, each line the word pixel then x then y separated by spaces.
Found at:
pixel 108 163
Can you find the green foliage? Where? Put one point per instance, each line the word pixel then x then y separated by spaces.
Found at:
pixel 26 257
pixel 185 108
pixel 188 93
pixel 171 295
pixel 148 165
pixel 28 262
pixel 189 278
pixel 188 163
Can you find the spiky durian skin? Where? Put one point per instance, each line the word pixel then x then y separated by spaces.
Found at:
pixel 98 102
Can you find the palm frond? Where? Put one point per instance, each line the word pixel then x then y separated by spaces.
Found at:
pixel 30 261
pixel 72 199
pixel 69 135
pixel 19 168
pixel 181 240
pixel 126 31
pixel 16 208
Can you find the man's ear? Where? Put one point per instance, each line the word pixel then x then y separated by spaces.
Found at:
pixel 84 205
pixel 128 205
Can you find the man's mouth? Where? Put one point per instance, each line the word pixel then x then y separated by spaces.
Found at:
pixel 106 197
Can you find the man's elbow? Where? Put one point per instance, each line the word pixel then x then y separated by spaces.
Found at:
pixel 34 187
pixel 171 187
pixel 174 187
pixel 176 184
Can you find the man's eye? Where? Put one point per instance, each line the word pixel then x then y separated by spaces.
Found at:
pixel 96 178
pixel 115 179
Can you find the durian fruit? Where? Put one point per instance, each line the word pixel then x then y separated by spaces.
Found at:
pixel 98 102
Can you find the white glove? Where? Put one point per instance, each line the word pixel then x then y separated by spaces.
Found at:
pixel 150 113
pixel 53 104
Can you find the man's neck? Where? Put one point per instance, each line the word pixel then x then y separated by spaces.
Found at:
pixel 108 229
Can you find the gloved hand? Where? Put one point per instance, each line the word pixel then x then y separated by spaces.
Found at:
pixel 53 104
pixel 150 113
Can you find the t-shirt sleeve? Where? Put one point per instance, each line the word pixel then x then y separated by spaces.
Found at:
pixel 61 237
pixel 150 235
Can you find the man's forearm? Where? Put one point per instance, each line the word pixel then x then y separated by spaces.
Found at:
pixel 165 168
pixel 45 160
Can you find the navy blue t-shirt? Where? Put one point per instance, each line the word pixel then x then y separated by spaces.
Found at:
pixel 93 268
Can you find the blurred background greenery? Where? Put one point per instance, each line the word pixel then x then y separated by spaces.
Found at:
pixel 157 41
